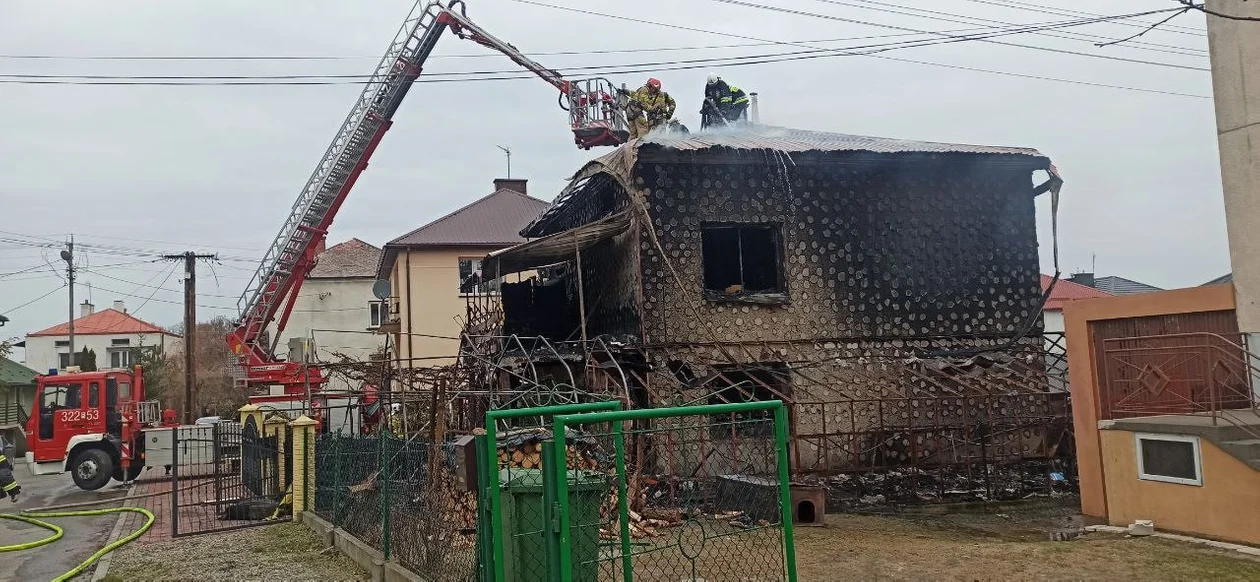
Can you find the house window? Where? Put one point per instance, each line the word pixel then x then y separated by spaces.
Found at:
pixel 120 358
pixel 747 383
pixel 377 314
pixel 63 361
pixel 120 342
pixel 62 343
pixel 1169 458
pixel 471 281
pixel 741 258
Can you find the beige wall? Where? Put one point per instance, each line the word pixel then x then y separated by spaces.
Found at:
pixel 1077 316
pixel 1226 507
pixel 427 281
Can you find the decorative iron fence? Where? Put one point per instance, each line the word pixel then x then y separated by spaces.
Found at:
pixel 1186 373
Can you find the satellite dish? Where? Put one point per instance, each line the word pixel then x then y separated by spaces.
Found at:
pixel 381 289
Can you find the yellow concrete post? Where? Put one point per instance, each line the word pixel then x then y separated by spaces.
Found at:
pixel 251 411
pixel 275 427
pixel 303 464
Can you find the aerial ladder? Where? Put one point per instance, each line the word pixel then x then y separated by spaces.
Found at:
pixel 596 117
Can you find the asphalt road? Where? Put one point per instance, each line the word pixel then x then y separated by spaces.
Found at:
pixel 83 535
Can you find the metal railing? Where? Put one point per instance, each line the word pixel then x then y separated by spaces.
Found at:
pixel 1184 373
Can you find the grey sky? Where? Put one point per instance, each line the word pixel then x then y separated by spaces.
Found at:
pixel 217 168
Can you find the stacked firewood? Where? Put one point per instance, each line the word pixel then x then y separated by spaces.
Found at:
pixel 522 449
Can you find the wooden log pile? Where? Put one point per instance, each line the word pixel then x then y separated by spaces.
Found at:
pixel 522 449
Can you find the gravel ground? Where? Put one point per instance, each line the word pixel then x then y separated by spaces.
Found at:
pixel 281 552
pixel 1007 542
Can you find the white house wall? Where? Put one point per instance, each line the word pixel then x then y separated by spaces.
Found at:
pixel 340 305
pixel 42 351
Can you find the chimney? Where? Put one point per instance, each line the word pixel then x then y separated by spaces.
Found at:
pixel 120 306
pixel 1086 279
pixel 321 245
pixel 510 184
pixel 86 309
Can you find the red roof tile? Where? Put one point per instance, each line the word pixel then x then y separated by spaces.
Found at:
pixel 1066 291
pixel 104 322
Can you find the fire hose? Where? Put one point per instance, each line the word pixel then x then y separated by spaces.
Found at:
pixel 32 517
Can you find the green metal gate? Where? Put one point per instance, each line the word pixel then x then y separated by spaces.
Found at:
pixel 589 492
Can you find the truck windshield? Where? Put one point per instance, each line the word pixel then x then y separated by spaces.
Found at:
pixel 61 397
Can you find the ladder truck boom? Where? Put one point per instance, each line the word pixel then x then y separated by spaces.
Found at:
pixel 596 118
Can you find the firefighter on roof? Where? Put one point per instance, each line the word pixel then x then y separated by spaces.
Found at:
pixel 8 485
pixel 723 103
pixel 649 108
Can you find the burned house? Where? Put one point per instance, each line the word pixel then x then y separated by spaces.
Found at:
pixel 888 290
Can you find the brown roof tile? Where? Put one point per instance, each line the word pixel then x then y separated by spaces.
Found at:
pixel 353 258
pixel 493 220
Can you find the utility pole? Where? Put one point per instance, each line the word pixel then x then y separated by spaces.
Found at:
pixel 68 256
pixel 190 328
pixel 1234 47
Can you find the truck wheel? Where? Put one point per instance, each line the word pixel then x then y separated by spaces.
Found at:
pixel 92 469
pixel 134 471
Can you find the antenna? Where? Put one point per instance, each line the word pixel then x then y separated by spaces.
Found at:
pixel 1093 262
pixel 507 151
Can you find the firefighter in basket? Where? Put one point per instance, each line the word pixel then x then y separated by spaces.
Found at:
pixel 649 108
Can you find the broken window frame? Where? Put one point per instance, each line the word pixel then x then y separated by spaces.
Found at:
pixel 760 382
pixel 775 295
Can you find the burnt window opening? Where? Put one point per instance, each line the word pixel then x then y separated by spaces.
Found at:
pixel 747 383
pixel 741 259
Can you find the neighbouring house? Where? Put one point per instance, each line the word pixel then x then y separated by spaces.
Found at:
pixel 1064 292
pixel 1112 285
pixel 1166 422
pixel 432 270
pixel 17 394
pixel 1223 279
pixel 114 335
pixel 337 309
pixel 865 281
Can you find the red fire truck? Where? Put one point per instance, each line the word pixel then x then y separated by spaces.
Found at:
pixel 96 425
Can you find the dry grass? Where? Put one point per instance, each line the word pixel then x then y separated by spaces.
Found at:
pixel 287 551
pixel 1000 544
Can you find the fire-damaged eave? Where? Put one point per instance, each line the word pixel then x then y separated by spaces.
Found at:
pixel 774 146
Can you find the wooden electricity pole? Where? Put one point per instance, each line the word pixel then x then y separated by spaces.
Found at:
pixel 190 329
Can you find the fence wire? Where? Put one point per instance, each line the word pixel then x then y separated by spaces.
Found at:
pixel 703 497
pixel 400 497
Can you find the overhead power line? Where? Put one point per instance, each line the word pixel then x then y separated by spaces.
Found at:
pixel 1204 9
pixel 985 40
pixel 650 66
pixel 1056 11
pixel 11 310
pixel 884 57
pixel 965 19
pixel 484 55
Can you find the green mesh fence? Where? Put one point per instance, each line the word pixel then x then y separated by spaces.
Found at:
pixel 691 493
pixel 400 497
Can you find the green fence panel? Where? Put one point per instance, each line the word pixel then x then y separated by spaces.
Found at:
pixel 711 483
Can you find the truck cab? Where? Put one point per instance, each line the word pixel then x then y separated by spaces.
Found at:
pixel 87 423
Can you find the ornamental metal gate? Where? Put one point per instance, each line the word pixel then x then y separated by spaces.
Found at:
pixel 225 476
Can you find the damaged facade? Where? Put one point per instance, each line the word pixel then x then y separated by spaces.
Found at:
pixel 888 290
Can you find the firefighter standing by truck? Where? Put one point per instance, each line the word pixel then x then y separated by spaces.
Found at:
pixel 8 484
pixel 649 108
